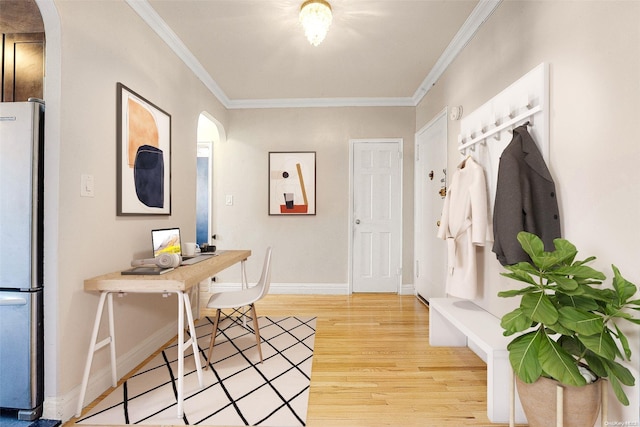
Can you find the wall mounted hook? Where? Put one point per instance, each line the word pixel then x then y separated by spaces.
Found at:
pixel 527 102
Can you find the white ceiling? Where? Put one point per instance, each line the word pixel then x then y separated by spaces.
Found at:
pixel 253 53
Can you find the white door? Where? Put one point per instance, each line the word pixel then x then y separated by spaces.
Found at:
pixel 376 217
pixel 430 179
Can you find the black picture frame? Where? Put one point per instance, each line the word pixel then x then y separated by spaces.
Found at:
pixel 143 155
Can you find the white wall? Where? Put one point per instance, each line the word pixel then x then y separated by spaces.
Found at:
pixel 593 50
pixel 307 249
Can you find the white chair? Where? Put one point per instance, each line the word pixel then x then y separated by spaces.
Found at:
pixel 242 298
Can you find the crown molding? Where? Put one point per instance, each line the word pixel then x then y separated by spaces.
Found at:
pixel 320 102
pixel 478 16
pixel 157 24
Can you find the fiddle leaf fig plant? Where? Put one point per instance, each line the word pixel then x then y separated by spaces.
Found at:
pixel 566 321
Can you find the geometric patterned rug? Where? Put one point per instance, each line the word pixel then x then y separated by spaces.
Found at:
pixel 238 390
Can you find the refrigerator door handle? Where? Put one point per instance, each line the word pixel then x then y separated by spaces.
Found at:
pixel 12 301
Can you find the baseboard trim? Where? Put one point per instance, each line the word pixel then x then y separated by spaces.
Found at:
pixel 407 289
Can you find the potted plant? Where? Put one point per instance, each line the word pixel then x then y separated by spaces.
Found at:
pixel 565 323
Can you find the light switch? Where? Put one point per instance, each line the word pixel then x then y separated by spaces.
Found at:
pixel 86 185
pixel 229 200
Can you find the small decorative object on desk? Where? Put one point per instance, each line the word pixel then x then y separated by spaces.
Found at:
pixel 147 270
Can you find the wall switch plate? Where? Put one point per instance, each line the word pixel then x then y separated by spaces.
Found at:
pixel 228 200
pixel 86 185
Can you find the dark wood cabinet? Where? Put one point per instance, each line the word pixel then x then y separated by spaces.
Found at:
pixel 23 66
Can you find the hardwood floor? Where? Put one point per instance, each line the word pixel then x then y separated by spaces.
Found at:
pixel 373 366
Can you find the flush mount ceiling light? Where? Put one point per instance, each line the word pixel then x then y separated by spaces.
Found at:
pixel 315 17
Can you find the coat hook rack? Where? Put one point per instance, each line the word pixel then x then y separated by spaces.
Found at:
pixel 508 124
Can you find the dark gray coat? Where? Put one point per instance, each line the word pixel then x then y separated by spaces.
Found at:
pixel 525 199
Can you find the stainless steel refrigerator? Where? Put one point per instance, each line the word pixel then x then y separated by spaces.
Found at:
pixel 21 258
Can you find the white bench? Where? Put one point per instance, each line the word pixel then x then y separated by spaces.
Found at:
pixel 456 322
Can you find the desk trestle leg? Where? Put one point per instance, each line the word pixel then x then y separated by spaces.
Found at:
pixel 95 346
pixel 185 303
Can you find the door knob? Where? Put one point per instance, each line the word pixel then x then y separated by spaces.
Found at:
pixel 357 221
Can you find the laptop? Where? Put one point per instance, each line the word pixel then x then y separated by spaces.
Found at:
pixel 167 240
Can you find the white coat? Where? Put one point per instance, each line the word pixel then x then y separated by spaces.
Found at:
pixel 464 225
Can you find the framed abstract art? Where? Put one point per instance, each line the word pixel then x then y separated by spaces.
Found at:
pixel 143 146
pixel 292 183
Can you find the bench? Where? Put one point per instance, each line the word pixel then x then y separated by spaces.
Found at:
pixel 456 322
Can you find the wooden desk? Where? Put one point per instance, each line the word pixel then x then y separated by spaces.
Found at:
pixel 179 281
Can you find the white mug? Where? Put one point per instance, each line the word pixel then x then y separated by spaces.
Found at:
pixel 189 249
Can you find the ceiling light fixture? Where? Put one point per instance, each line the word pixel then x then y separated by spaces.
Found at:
pixel 315 17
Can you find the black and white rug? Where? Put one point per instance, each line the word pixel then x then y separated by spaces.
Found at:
pixel 238 389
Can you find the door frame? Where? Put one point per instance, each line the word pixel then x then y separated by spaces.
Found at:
pixel 352 142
